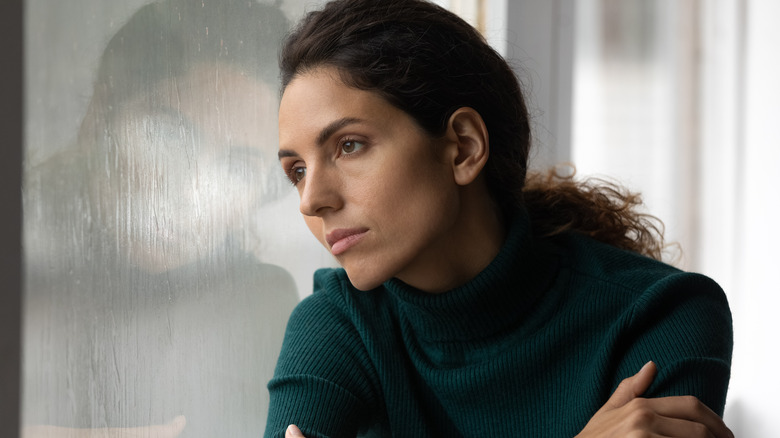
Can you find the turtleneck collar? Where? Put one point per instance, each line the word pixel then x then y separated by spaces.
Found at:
pixel 496 298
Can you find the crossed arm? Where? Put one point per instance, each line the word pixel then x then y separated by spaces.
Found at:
pixel 627 414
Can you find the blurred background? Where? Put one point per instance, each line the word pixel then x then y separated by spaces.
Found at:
pixel 162 251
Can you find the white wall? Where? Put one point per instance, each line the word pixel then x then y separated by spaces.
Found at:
pixel 756 293
pixel 692 124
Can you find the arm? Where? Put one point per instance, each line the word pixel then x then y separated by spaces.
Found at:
pixel 683 322
pixel 675 416
pixel 323 379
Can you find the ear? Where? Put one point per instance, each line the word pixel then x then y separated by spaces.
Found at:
pixel 468 136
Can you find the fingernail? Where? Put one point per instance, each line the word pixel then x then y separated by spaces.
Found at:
pixel 293 430
pixel 646 365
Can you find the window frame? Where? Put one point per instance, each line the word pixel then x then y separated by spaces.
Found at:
pixel 11 13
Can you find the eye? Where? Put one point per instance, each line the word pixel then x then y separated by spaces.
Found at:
pixel 297 173
pixel 349 146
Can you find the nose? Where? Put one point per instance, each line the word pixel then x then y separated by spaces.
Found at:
pixel 320 192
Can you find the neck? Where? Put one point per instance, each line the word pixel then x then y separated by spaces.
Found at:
pixel 473 242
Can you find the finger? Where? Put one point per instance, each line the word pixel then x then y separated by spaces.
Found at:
pixel 632 387
pixel 689 408
pixel 293 432
pixel 676 427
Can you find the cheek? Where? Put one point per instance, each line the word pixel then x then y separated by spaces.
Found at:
pixel 429 203
pixel 423 187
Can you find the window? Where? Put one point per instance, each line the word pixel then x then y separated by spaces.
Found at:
pixel 163 249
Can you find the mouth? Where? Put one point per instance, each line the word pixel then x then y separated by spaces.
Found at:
pixel 342 239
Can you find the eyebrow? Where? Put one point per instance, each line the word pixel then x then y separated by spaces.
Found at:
pixel 324 134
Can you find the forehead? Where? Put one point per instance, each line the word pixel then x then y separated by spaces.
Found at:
pixel 316 98
pixel 223 106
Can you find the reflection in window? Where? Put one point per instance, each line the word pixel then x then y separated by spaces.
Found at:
pixel 147 295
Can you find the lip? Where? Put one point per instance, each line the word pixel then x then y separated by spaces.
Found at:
pixel 342 239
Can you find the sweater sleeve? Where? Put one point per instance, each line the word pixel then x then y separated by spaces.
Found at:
pixel 322 382
pixel 683 323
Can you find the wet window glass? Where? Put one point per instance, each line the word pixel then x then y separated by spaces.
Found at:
pixel 163 248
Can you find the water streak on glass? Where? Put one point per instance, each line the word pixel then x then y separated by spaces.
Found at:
pixel 161 263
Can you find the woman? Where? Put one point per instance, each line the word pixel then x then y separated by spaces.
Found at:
pixel 146 300
pixel 473 301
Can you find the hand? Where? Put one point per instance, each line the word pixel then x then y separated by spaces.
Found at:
pixel 627 414
pixel 170 430
pixel 293 432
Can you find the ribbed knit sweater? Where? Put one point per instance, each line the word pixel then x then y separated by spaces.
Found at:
pixel 531 347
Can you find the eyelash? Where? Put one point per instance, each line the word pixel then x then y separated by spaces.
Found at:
pixel 344 141
pixel 290 171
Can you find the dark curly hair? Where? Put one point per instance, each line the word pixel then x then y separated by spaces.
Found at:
pixel 428 62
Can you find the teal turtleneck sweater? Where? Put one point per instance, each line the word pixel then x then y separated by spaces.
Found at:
pixel 532 347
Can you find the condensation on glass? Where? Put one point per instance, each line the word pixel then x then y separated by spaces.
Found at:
pixel 163 251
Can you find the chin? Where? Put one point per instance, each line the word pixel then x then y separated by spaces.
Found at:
pixel 365 282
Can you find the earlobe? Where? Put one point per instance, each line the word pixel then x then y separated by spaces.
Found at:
pixel 468 133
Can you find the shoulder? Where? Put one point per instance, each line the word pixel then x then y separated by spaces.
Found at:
pixel 329 300
pixel 325 326
pixel 267 290
pixel 646 304
pixel 653 311
pixel 637 278
pixel 324 311
pixel 334 297
pixel 323 355
pixel 331 282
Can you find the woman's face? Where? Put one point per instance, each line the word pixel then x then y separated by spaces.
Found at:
pixel 191 163
pixel 374 188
